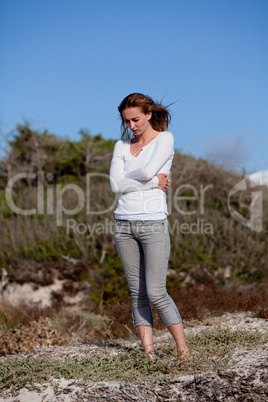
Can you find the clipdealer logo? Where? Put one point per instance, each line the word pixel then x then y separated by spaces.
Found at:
pixel 255 222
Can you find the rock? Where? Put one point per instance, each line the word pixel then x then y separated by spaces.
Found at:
pixel 31 294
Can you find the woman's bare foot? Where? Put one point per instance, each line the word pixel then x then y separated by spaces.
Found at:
pixel 151 354
pixel 184 354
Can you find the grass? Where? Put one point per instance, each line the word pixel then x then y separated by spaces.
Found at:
pixel 211 350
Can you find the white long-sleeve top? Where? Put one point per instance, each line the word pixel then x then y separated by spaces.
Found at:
pixel 134 177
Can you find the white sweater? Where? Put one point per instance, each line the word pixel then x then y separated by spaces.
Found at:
pixel 134 177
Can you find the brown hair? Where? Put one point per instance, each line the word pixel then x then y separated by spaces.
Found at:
pixel 160 115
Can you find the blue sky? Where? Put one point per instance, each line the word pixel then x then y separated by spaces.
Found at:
pixel 67 64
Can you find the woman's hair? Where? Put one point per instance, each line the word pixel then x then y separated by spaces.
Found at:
pixel 160 115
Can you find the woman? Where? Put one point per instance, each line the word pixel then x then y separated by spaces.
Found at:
pixel 139 172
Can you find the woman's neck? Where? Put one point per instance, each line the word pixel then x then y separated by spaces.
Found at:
pixel 145 137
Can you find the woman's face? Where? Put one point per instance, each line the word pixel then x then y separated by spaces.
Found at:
pixel 136 120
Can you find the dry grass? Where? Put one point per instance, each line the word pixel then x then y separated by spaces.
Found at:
pixel 194 303
pixel 198 302
pixel 11 317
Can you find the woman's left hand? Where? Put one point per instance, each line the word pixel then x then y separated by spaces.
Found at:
pixel 163 181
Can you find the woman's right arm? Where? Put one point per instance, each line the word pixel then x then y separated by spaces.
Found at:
pixel 120 184
pixel 162 153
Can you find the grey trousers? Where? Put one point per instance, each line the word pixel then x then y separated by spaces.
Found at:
pixel 144 248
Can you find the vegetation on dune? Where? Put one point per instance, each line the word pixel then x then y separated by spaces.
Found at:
pixel 217 265
pixel 209 247
pixel 211 351
pixel 23 328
